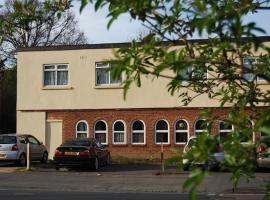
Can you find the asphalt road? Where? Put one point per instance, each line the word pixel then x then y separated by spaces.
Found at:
pixel 117 182
pixel 49 195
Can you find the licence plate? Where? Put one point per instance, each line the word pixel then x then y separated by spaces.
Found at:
pixel 71 153
pixel 2 155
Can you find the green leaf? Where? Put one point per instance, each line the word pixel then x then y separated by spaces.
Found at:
pixel 83 5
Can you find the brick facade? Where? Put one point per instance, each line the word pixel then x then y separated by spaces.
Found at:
pixel 149 116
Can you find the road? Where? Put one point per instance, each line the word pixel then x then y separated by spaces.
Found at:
pixel 117 182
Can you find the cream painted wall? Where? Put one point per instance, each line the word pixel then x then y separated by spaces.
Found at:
pixel 82 92
pixel 32 123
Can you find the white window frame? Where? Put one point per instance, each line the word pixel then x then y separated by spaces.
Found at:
pixel 181 131
pixel 56 71
pixel 106 131
pixel 162 131
pixel 247 62
pixel 228 131
pixel 125 132
pixel 87 128
pixel 108 67
pixel 138 131
pixel 199 130
pixel 192 68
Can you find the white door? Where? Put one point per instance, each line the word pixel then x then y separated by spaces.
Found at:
pixel 53 136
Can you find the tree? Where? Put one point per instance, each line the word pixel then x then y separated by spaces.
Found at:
pixel 30 23
pixel 230 57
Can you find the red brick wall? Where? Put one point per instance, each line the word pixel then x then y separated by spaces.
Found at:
pixel 149 116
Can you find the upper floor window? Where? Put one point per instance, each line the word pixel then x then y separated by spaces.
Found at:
pixel 104 75
pixel 250 64
pixel 55 75
pixel 82 129
pixel 224 130
pixel 162 132
pixel 200 127
pixel 119 132
pixel 190 72
pixel 138 132
pixel 181 132
pixel 101 132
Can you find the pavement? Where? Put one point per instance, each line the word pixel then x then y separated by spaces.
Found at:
pixel 125 179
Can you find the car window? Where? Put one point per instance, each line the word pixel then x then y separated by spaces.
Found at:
pixel 23 139
pixel 32 140
pixel 78 142
pixel 4 139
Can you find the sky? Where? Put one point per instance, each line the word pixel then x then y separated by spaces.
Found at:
pixel 94 24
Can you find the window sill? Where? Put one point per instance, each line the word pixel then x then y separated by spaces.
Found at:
pixel 165 145
pixel 116 86
pixel 57 88
pixel 138 145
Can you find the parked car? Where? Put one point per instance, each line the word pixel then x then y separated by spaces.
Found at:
pixel 263 152
pixel 214 162
pixel 13 147
pixel 81 152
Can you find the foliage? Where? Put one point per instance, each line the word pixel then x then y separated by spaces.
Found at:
pixel 233 57
pixel 29 23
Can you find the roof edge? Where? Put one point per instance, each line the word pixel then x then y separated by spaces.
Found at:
pixel 116 45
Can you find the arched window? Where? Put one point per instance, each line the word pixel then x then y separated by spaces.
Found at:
pixel 181 132
pixel 224 130
pixel 200 127
pixel 138 132
pixel 101 133
pixel 162 132
pixel 81 129
pixel 119 132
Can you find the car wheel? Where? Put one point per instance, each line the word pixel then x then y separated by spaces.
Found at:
pixel 96 164
pixel 44 158
pixel 57 167
pixel 109 160
pixel 22 160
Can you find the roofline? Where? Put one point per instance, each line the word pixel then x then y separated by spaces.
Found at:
pixel 117 45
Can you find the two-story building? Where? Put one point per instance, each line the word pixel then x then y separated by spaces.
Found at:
pixel 67 91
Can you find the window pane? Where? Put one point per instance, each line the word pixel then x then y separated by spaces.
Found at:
pixel 225 126
pixel 185 73
pixel 119 126
pixel 201 125
pixel 102 65
pixel 138 125
pixel 161 137
pixel 101 137
pixel 49 67
pixel 62 78
pixel 62 66
pixel 249 64
pixel 81 135
pixel 119 137
pixel 138 138
pixel 82 126
pixel 102 76
pixel 49 78
pixel 181 125
pixel 181 137
pixel 162 125
pixel 100 126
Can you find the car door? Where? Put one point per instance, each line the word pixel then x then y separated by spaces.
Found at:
pixel 36 148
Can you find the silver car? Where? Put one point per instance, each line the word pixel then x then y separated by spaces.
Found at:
pixel 13 147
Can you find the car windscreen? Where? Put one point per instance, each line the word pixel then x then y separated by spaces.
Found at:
pixel 265 140
pixel 77 143
pixel 4 139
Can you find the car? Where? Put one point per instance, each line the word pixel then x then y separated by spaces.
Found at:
pixel 263 152
pixel 87 152
pixel 213 163
pixel 13 148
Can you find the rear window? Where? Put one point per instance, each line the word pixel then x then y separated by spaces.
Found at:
pixel 77 143
pixel 8 139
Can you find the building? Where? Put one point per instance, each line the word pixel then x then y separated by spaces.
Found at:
pixel 66 92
